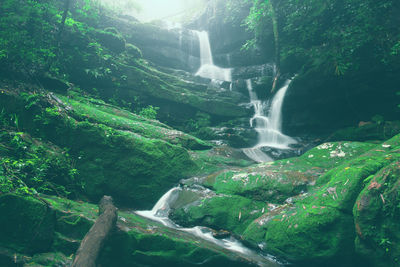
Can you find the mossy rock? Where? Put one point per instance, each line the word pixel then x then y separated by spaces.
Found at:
pixel 113 41
pixel 26 224
pixel 318 226
pixel 376 217
pixel 138 241
pixel 381 130
pixel 49 259
pixel 277 181
pixel 99 112
pixel 116 153
pixel 133 169
pixel 220 212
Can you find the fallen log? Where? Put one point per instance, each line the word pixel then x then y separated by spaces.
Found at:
pixel 93 242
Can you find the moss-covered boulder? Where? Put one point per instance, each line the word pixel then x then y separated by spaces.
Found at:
pixel 279 180
pixel 220 212
pixel 26 224
pixel 112 40
pixel 319 225
pixel 114 151
pixel 301 209
pixel 141 242
pixel 366 131
pixel 376 217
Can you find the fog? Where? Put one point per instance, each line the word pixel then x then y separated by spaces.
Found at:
pixel 166 9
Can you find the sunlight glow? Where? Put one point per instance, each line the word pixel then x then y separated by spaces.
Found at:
pixel 165 9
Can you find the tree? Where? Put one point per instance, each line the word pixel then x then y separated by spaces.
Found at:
pixel 339 37
pixel 264 13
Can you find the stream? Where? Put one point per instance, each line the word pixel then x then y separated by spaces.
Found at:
pixel 162 209
pixel 266 121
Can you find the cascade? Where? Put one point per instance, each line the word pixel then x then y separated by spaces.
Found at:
pixel 160 213
pixel 267 124
pixel 207 68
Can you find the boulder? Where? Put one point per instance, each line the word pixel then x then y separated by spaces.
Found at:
pixel 26 224
pixel 113 41
pixel 376 214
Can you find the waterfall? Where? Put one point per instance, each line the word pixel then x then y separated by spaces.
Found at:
pixel 267 121
pixel 160 213
pixel 207 68
pixel 161 209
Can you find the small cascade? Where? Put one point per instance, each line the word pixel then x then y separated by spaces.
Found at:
pixel 256 154
pixel 207 68
pixel 161 209
pixel 160 213
pixel 267 124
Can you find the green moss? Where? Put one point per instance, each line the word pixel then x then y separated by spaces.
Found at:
pixel 139 241
pixel 85 109
pixel 281 179
pixel 378 130
pixel 113 41
pixel 319 224
pixel 49 260
pixel 233 213
pixel 26 224
pixel 115 152
pixel 376 215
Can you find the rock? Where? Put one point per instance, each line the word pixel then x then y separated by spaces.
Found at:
pixel 175 48
pixel 368 131
pixel 315 100
pixel 26 224
pixel 228 34
pixel 139 241
pixel 299 209
pixel 220 212
pixel 277 181
pixel 221 234
pixel 116 152
pixel 318 226
pixel 113 41
pixel 376 214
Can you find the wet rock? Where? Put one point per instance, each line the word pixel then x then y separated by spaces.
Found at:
pixel 221 234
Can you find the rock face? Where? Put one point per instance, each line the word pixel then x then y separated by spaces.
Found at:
pixel 315 100
pixel 321 207
pixel 224 21
pixel 174 48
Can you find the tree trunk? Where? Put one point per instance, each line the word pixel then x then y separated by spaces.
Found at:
pixel 63 19
pixel 93 242
pixel 275 26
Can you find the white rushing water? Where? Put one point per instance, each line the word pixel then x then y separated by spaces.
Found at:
pixel 267 121
pixel 160 214
pixel 207 68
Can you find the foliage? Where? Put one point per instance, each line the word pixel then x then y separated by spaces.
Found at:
pixel 149 112
pixel 27 165
pixel 30 167
pixel 338 36
pixel 26 41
